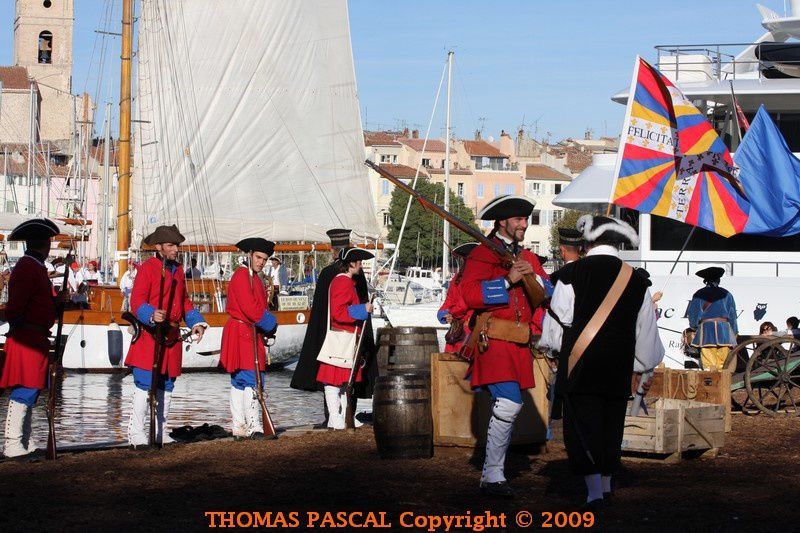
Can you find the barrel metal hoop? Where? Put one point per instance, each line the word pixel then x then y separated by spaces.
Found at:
pixel 403 402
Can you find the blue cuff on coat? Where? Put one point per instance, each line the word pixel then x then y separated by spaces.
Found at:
pixel 494 292
pixel 358 312
pixel 193 317
pixel 145 314
pixel 267 323
pixel 548 287
pixel 441 314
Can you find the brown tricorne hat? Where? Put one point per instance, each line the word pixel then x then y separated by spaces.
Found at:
pixel 165 234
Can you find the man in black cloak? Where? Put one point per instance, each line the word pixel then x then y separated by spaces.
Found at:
pixel 305 375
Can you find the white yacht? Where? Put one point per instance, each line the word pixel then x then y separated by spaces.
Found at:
pixel 762 273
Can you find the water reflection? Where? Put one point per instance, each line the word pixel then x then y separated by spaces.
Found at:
pixel 94 408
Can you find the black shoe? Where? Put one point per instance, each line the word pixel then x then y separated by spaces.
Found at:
pixel 594 506
pixel 498 490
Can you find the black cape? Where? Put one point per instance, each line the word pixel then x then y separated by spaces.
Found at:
pixel 305 375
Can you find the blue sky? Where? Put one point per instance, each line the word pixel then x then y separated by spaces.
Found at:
pixel 558 62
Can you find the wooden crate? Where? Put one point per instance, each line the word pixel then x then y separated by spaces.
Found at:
pixel 675 426
pixel 699 385
pixel 461 417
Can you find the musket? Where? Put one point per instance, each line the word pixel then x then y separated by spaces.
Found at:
pixel 350 413
pixel 533 290
pixel 55 359
pixel 160 347
pixel 266 421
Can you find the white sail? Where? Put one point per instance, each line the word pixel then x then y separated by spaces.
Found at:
pixel 248 121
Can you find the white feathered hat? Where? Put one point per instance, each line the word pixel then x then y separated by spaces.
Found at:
pixel 594 227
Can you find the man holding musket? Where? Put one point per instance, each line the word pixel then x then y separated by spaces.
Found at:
pixel 30 313
pixel 605 330
pixel 159 297
pixel 248 307
pixel 501 334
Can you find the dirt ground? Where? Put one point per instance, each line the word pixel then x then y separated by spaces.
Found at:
pixel 753 485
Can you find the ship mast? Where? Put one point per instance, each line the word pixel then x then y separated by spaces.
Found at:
pixel 123 190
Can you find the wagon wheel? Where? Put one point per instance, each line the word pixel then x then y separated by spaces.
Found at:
pixel 772 379
pixel 736 363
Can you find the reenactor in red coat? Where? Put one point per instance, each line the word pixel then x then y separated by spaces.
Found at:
pixel 145 301
pixel 249 310
pixel 346 313
pixel 454 308
pixel 30 313
pixel 504 364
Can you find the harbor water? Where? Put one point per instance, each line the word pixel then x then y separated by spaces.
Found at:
pixel 93 409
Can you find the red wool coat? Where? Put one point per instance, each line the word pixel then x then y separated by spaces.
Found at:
pixel 31 313
pixel 503 361
pixel 455 305
pixel 245 306
pixel 145 292
pixel 342 295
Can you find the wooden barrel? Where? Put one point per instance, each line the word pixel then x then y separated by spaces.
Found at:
pixel 406 350
pixel 401 416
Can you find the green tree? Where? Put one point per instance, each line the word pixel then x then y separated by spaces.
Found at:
pixel 424 229
pixel 568 220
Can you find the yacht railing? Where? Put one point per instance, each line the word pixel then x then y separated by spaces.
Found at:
pixel 688 266
pixel 721 64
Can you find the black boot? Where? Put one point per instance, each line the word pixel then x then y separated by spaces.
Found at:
pixel 497 490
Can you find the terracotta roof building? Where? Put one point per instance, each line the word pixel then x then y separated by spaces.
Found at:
pixel 15 78
pixel 543 172
pixel 482 148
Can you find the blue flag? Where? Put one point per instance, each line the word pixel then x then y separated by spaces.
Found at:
pixel 770 176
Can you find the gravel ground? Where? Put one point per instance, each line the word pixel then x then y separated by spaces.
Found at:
pixel 753 485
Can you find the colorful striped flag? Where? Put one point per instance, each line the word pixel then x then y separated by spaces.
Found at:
pixel 672 163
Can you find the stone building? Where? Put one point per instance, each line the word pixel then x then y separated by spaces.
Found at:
pixel 43 48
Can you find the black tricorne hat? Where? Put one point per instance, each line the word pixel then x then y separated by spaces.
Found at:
pixel 507 206
pixel 465 249
pixel 165 234
pixel 596 227
pixel 569 237
pixel 34 229
pixel 354 254
pixel 713 273
pixel 256 244
pixel 339 237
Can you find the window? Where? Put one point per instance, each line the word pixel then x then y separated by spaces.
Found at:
pixel 557 216
pixel 426 162
pixel 45 47
pixel 557 188
pixel 460 189
pixel 386 218
pixel 510 189
pixel 384 187
pixel 394 158
pixel 536 217
pixel 535 247
pixel 479 190
pixel 497 190
pixel 385 158
pixel 442 164
pixel 536 189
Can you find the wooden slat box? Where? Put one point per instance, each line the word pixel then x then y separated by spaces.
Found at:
pixel 675 426
pixel 461 417
pixel 699 385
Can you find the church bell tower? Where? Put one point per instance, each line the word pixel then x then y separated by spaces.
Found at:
pixel 43 45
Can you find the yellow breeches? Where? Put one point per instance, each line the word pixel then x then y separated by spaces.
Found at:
pixel 713 357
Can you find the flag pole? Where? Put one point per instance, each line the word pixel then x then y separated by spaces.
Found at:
pixel 625 125
pixel 675 263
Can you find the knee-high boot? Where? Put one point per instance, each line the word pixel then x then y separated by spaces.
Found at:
pixel 498 437
pixel 137 436
pixel 15 422
pixel 238 418
pixel 335 410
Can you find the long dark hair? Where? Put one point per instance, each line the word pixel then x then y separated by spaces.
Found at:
pixel 342 267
